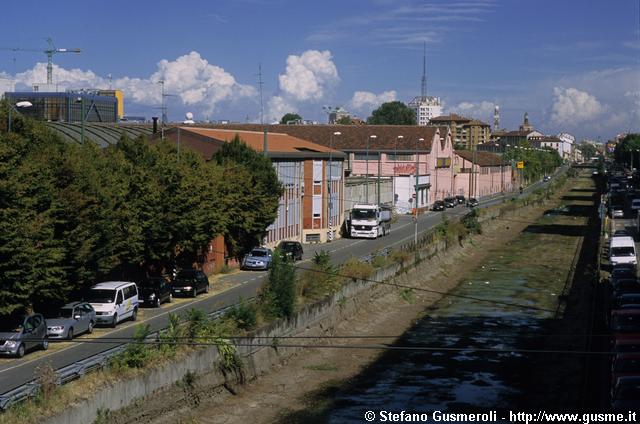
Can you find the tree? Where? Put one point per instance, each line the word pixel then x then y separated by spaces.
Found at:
pixel 249 194
pixel 628 150
pixel 588 150
pixel 393 113
pixel 344 120
pixel 291 118
pixel 279 296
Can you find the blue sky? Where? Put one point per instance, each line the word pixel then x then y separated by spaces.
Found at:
pixel 574 65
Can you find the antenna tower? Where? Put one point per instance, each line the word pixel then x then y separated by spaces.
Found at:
pixel 496 118
pixel 423 91
pixel 260 84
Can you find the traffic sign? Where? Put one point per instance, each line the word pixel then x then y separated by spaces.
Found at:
pixel 520 165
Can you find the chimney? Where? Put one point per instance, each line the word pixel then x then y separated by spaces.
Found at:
pixel 155 124
pixel 265 145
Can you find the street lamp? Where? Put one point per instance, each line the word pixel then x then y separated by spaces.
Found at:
pixel 395 163
pixel 21 105
pixel 415 236
pixel 80 100
pixel 336 133
pixel 367 168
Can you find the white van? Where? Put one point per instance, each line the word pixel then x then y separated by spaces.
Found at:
pixel 114 301
pixel 622 250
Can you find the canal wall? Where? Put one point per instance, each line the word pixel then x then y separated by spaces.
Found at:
pixel 178 386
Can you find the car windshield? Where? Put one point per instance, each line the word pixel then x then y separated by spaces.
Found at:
pixel 186 275
pixel 11 324
pixel 623 251
pixel 102 296
pixel 150 284
pixel 628 300
pixel 363 214
pixel 626 323
pixel 258 252
pixel 65 313
pixel 287 246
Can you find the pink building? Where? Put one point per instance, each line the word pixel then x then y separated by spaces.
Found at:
pixel 396 151
pixel 480 174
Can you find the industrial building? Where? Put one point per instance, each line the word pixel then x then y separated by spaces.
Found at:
pixel 68 106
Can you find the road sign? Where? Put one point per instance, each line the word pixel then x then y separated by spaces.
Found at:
pixel 520 165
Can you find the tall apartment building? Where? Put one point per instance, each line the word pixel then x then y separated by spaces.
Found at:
pixel 426 108
pixel 466 133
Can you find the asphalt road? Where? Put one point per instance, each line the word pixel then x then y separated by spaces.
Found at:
pixel 15 372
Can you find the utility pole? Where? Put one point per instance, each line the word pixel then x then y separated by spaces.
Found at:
pixel 367 169
pixel 395 164
pixel 415 236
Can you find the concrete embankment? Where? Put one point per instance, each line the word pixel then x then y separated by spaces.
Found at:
pixel 163 394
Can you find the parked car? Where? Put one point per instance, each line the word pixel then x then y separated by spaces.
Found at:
pixel 472 202
pixel 461 199
pixel 622 250
pixel 625 394
pixel 114 301
pixel 72 319
pixel 616 210
pixel 190 282
pixel 291 249
pixel 450 202
pixel 627 301
pixel 154 291
pixel 623 271
pixel 546 178
pixel 625 324
pixel 438 205
pixel 626 346
pixel 620 286
pixel 21 333
pixel 621 233
pixel 258 258
pixel 624 365
pixel 635 205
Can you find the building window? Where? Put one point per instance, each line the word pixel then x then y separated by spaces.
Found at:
pixel 363 156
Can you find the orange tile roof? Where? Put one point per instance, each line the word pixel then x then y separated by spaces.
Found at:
pixel 277 142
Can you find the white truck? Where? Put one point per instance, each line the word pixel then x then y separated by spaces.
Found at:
pixel 370 221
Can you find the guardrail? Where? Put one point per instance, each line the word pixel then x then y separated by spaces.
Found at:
pixel 79 368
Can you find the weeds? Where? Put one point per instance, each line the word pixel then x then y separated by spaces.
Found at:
pixel 245 314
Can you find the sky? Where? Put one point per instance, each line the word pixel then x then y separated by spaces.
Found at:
pixel 573 65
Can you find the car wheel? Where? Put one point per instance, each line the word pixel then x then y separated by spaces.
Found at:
pixel 45 344
pixel 70 334
pixel 90 329
pixel 194 292
pixel 20 351
pixel 206 288
pixel 170 298
pixel 134 316
pixel 158 302
pixel 115 321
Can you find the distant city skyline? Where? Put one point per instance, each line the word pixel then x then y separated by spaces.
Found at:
pixel 574 66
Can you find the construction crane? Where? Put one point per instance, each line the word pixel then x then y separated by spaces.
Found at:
pixel 49 52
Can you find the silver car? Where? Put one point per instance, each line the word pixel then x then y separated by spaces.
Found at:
pixel 70 320
pixel 258 258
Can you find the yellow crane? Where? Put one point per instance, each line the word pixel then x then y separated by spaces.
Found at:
pixel 49 52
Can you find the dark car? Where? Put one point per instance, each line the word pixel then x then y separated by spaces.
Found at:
pixel 72 319
pixel 625 394
pixel 291 249
pixel 450 202
pixel 21 333
pixel 625 324
pixel 190 282
pixel 624 286
pixel 461 199
pixel 472 202
pixel 154 291
pixel 627 301
pixel 625 365
pixel 438 205
pixel 622 271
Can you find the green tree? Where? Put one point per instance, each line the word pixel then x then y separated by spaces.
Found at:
pixel 392 113
pixel 588 150
pixel 344 120
pixel 290 118
pixel 249 194
pixel 628 150
pixel 279 296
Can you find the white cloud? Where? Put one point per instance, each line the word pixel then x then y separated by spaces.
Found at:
pixel 481 110
pixel 190 77
pixel 309 75
pixel 362 100
pixel 277 107
pixel 572 107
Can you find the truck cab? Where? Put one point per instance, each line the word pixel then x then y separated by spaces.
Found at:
pixel 370 221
